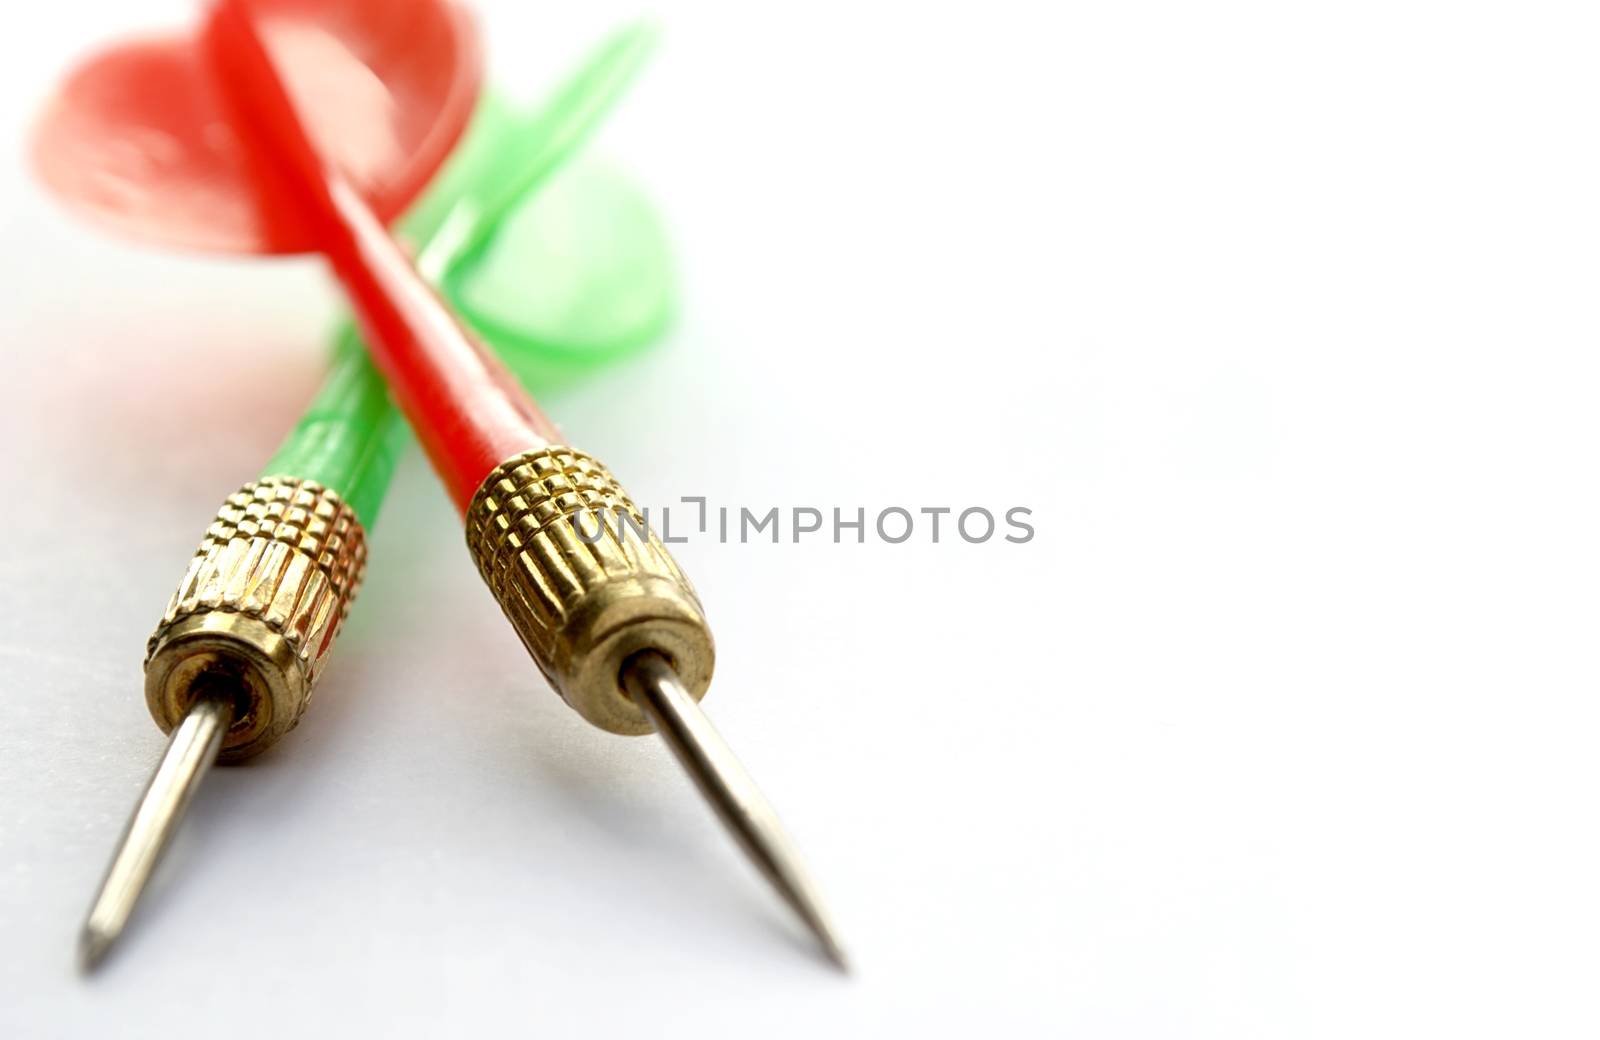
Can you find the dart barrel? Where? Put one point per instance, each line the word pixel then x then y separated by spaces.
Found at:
pixel 257 613
pixel 585 582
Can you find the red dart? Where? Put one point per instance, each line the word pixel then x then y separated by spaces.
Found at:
pixel 610 620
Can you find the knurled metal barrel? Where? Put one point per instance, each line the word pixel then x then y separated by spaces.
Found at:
pixel 585 582
pixel 259 609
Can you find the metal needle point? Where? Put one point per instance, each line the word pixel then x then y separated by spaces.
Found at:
pixel 189 756
pixel 651 682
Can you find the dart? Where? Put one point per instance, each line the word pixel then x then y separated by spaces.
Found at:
pixel 612 622
pixel 232 665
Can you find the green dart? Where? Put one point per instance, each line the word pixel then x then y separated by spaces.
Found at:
pixel 231 666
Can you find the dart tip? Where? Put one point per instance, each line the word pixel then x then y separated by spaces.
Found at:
pixel 803 898
pixel 93 945
pixel 190 751
pixel 834 952
pixel 651 681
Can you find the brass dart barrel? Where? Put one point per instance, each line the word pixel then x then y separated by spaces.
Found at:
pixel 584 582
pixel 258 610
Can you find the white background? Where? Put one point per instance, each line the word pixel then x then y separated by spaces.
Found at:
pixel 1281 317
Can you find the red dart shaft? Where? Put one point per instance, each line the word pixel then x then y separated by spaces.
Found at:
pixel 469 413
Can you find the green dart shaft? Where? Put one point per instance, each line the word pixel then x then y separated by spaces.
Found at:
pixel 350 437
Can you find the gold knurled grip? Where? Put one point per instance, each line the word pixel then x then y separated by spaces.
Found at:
pixel 585 588
pixel 259 609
